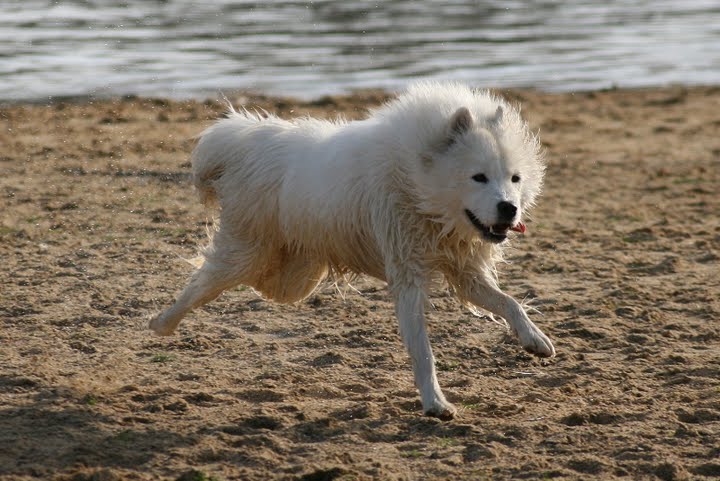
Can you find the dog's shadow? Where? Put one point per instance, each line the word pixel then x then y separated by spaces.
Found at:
pixel 49 434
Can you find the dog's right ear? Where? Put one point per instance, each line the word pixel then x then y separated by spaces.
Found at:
pixel 460 122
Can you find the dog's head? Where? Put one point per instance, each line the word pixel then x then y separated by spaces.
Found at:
pixel 484 174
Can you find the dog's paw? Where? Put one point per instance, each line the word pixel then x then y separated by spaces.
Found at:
pixel 441 410
pixel 160 326
pixel 535 342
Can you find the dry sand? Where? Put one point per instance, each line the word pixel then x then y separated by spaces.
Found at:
pixel 621 260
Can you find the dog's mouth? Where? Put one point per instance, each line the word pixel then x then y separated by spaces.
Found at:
pixel 495 233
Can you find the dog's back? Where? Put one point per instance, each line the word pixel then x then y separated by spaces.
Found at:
pixel 297 182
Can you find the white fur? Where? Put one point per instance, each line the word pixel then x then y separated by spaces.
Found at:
pixel 386 197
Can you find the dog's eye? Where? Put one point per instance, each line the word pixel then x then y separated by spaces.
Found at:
pixel 515 178
pixel 480 178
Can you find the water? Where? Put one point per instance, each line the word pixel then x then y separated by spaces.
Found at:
pixel 180 48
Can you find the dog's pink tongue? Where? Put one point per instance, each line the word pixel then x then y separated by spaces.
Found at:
pixel 519 227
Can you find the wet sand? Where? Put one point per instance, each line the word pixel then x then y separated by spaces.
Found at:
pixel 621 261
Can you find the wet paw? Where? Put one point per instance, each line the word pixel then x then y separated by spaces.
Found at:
pixel 535 342
pixel 441 410
pixel 161 326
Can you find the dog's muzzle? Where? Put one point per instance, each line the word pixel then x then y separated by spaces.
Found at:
pixel 496 233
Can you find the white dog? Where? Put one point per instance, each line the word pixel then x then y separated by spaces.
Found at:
pixel 426 188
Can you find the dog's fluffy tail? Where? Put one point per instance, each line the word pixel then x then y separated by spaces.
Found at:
pixel 219 146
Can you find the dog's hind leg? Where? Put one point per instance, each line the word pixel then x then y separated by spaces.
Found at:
pixel 227 264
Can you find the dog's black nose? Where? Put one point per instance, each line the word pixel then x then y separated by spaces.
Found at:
pixel 506 211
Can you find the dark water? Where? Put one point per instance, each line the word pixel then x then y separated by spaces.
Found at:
pixel 180 48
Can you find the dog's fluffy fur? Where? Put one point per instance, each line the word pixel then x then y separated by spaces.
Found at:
pixel 412 195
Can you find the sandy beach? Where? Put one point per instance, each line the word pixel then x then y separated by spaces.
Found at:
pixel 621 261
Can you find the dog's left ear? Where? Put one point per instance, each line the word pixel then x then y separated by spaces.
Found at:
pixel 497 119
pixel 460 122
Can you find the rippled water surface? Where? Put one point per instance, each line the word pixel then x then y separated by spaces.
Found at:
pixel 180 48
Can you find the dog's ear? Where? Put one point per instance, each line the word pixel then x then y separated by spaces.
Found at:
pixel 497 119
pixel 460 122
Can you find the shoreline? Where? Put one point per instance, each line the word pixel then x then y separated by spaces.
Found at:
pixel 83 99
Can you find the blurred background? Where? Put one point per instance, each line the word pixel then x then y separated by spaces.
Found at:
pixel 181 49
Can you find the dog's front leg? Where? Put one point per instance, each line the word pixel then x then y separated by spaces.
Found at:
pixel 410 310
pixel 494 300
